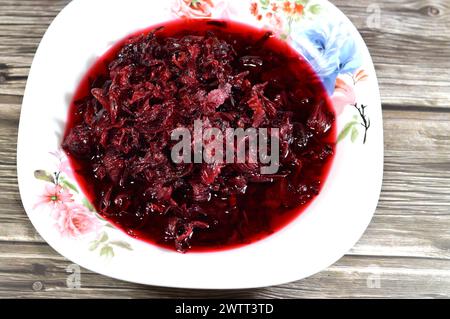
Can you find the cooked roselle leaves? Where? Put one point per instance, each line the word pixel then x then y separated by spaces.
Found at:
pixel 227 75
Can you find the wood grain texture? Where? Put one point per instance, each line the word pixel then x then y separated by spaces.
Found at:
pixel 406 249
pixel 25 267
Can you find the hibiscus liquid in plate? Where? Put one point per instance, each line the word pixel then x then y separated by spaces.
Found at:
pixel 228 75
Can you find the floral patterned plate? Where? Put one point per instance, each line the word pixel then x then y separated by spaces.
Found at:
pixel 320 236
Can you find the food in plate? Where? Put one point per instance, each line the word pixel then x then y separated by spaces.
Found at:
pixel 224 75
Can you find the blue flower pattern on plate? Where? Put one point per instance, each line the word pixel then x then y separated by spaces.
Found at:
pixel 329 48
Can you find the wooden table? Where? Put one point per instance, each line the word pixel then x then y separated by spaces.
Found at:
pixel 406 250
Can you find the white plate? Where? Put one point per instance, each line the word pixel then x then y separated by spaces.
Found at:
pixel 320 236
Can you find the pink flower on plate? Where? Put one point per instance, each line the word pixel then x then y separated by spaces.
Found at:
pixel 76 220
pixel 55 196
pixel 64 167
pixel 276 23
pixel 344 94
pixel 63 164
pixel 193 8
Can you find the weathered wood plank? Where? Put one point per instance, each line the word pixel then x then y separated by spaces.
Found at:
pixel 29 12
pixel 28 270
pixel 10 107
